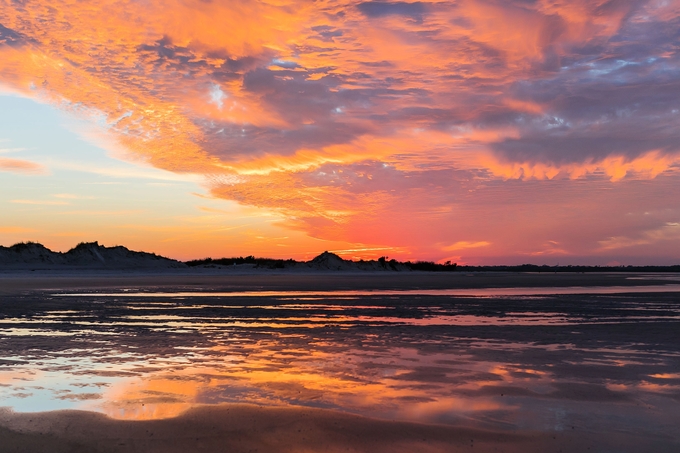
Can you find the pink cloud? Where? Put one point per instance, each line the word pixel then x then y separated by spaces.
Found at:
pixel 20 166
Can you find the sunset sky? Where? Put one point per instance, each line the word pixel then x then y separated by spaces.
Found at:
pixel 478 131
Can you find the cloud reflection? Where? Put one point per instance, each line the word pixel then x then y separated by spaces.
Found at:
pixel 496 362
pixel 276 375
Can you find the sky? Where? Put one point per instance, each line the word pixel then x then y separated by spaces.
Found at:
pixel 477 131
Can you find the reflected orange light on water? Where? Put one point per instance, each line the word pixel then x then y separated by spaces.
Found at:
pixel 469 361
pixel 666 376
pixel 282 377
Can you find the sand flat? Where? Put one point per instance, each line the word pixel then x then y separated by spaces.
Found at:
pixel 166 362
pixel 258 279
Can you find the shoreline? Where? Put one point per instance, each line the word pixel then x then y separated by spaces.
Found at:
pixel 21 281
pixel 246 428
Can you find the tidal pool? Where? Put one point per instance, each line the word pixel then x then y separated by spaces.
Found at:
pixel 604 363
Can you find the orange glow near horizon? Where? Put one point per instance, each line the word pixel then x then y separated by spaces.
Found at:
pixel 372 127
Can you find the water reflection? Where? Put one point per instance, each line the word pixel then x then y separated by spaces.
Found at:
pixel 393 383
pixel 505 362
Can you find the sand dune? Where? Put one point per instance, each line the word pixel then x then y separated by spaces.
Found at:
pixel 84 256
pixel 34 256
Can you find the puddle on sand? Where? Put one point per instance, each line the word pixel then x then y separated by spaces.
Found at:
pixel 500 363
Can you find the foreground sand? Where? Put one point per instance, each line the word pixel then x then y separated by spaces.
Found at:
pixel 243 428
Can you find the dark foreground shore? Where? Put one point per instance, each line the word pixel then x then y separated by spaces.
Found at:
pixel 243 428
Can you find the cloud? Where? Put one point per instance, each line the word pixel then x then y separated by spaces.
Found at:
pixel 70 196
pixel 10 37
pixel 462 245
pixel 40 202
pixel 550 248
pixel 217 95
pixel 414 10
pixel 21 166
pixel 668 232
pixel 616 167
pixel 123 172
pixel 314 101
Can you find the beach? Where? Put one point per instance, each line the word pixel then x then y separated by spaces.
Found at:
pixel 275 361
pixel 248 278
pixel 242 429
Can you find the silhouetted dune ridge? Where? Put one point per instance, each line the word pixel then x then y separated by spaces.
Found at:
pixel 32 255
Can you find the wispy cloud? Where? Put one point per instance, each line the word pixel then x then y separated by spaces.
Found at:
pixel 103 212
pixel 365 249
pixel 125 172
pixel 668 232
pixel 40 202
pixel 21 166
pixel 70 196
pixel 463 245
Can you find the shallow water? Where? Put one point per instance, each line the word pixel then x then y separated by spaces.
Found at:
pixel 606 362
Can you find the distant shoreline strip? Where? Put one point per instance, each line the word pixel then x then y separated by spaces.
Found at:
pixel 469 292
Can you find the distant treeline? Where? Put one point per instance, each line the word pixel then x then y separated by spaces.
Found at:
pixel 428 266
pixel 577 268
pixel 269 263
pixel 382 262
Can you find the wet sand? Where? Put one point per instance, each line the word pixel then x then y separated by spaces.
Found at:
pixel 570 373
pixel 12 282
pixel 243 428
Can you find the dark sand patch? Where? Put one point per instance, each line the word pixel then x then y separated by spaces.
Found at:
pixel 579 391
pixel 14 282
pixel 571 391
pixel 242 428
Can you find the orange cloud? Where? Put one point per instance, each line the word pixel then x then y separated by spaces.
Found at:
pixel 462 245
pixel 647 166
pixel 128 69
pixel 20 166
